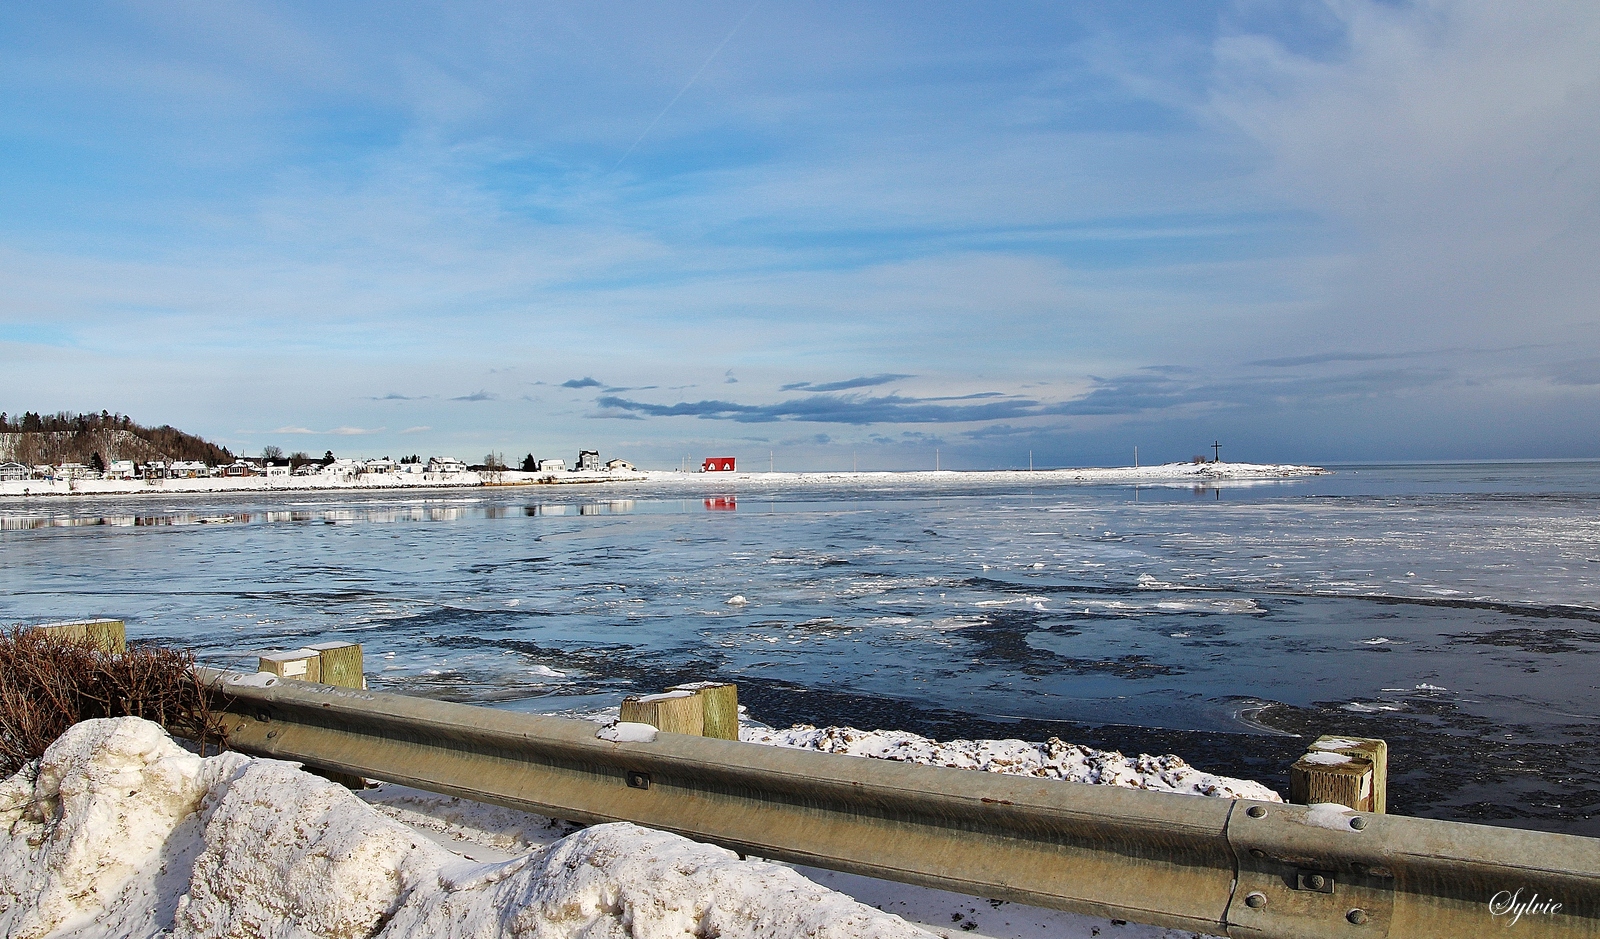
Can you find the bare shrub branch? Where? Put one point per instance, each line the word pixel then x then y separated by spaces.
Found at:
pixel 49 682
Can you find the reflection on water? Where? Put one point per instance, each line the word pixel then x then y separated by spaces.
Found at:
pixel 721 504
pixel 341 516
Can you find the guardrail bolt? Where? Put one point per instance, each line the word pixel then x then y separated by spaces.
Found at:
pixel 1256 811
pixel 637 780
pixel 1358 823
pixel 1357 917
pixel 1316 881
pixel 1256 901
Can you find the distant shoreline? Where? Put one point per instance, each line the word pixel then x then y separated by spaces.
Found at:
pixel 1198 473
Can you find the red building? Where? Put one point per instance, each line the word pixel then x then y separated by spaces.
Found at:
pixel 717 464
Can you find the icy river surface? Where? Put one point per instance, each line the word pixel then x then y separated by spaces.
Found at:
pixel 1451 609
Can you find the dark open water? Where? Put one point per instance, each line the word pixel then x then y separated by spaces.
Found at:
pixel 1453 610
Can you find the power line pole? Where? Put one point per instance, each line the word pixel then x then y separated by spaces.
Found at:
pixel 1216 452
pixel 936 459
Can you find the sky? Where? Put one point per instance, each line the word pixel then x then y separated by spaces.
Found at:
pixel 813 236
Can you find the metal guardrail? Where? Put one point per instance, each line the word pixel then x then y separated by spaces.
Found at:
pixel 1228 867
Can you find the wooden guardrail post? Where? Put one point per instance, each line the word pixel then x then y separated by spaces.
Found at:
pixel 702 708
pixel 339 663
pixel 676 712
pixel 300 664
pixel 110 635
pixel 1351 771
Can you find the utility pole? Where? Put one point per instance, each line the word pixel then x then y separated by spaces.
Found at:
pixel 1136 457
pixel 936 459
pixel 1030 461
pixel 1216 452
pixel 771 463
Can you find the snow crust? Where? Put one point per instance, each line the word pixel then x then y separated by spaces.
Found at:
pixel 1053 759
pixel 628 732
pixel 1330 815
pixel 120 832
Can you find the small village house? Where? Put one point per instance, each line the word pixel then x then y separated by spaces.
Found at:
pixel 588 461
pixel 13 471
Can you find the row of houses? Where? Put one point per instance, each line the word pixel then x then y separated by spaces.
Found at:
pixel 588 462
pixel 196 469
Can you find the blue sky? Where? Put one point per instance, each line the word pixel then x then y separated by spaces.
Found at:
pixel 837 232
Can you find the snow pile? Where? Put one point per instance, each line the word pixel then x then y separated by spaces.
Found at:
pixel 118 831
pixel 1053 759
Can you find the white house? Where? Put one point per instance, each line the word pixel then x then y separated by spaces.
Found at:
pixel 13 471
pixel 384 465
pixel 620 466
pixel 189 469
pixel 121 469
pixel 75 471
pixel 552 466
pixel 446 464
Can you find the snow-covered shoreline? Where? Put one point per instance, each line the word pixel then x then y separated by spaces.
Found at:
pixel 119 831
pixel 1164 474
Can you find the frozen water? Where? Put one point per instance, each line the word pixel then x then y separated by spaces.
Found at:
pixel 1474 590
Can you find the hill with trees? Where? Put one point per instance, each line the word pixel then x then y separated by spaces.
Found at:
pixel 64 437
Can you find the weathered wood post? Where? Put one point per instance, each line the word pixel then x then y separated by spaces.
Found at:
pixel 340 664
pixel 1352 771
pixel 109 635
pixel 675 712
pixel 299 664
pixel 719 708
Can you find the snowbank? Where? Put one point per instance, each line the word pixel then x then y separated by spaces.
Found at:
pixel 1053 759
pixel 118 831
pixel 1163 474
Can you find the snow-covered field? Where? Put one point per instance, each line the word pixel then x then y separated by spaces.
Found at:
pixel 120 832
pixel 1199 473
pixel 1168 473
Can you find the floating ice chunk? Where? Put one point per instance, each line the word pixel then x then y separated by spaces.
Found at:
pixel 628 732
pixel 545 671
pixel 1427 687
pixel 1376 641
pixel 736 600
